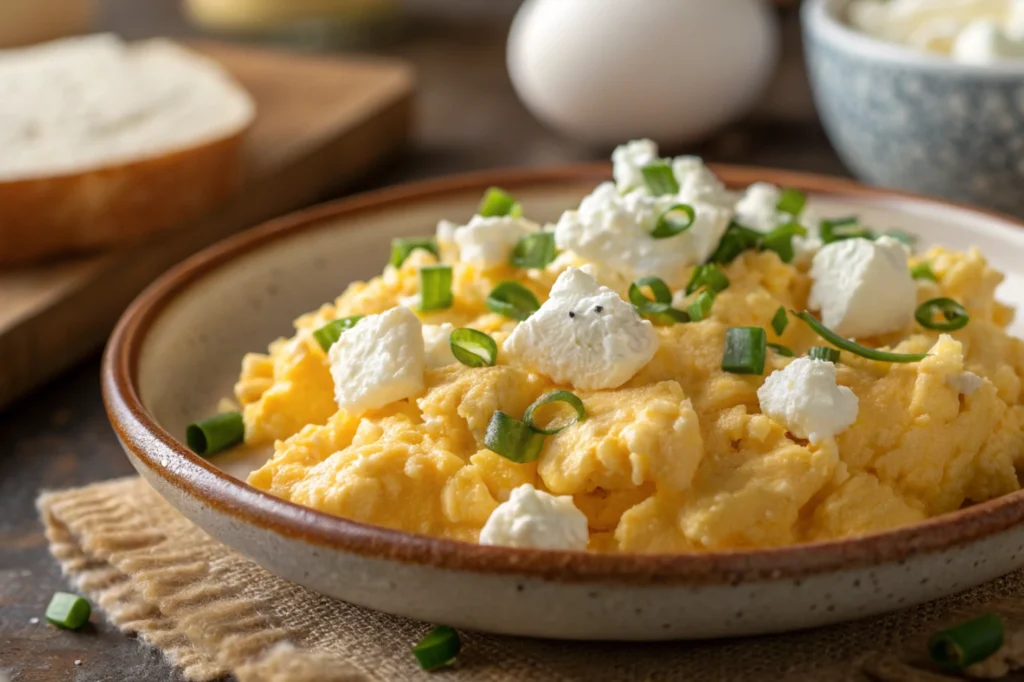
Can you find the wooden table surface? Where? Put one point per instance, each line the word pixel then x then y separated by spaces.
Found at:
pixel 469 118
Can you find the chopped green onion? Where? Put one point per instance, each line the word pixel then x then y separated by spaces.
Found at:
pixel 735 241
pixel 923 271
pixel 670 223
pixel 701 306
pixel 473 348
pixel 853 347
pixel 512 439
pixel 792 202
pixel 555 397
pixel 329 334
pixel 745 350
pixel 659 310
pixel 780 240
pixel 435 287
pixel 68 611
pixel 843 228
pixel 782 350
pixel 497 202
pixel 513 300
pixel 708 275
pixel 780 321
pixel 536 250
pixel 824 353
pixel 403 246
pixel 901 236
pixel 218 433
pixel 438 649
pixel 660 179
pixel 968 643
pixel 955 315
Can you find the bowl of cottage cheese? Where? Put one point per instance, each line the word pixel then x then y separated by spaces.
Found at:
pixel 924 95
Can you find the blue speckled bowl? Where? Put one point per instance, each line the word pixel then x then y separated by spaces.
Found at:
pixel 917 121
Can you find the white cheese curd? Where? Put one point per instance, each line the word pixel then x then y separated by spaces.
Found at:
pixel 696 181
pixel 536 519
pixel 378 361
pixel 488 242
pixel 584 336
pixel 804 398
pixel 628 161
pixel 437 345
pixel 758 210
pixel 863 287
pixel 965 383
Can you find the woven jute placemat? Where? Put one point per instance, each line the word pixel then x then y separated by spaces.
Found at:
pixel 214 613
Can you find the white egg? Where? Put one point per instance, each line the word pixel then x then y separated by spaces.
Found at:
pixel 604 71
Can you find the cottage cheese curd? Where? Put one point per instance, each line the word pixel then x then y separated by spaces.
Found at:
pixel 805 398
pixel 534 518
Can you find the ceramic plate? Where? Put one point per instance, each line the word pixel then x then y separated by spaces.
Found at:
pixel 177 350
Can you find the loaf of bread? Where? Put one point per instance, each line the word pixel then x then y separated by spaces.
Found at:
pixel 102 142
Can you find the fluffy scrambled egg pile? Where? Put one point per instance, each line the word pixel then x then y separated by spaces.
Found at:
pixel 683 456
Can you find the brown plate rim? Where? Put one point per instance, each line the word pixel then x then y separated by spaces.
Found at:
pixel 165 457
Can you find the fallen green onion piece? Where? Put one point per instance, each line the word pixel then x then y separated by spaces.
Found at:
pixel 701 306
pixel 968 643
pixel 954 314
pixel 825 353
pixel 923 271
pixel 660 179
pixel 68 611
pixel 708 275
pixel 497 202
pixel 780 321
pixel 745 350
pixel 659 310
pixel 435 287
pixel 512 439
pixel 843 228
pixel 853 347
pixel 782 350
pixel 670 223
pixel 792 202
pixel 735 241
pixel 218 433
pixel 473 348
pixel 536 250
pixel 329 334
pixel 401 247
pixel 513 300
pixel 555 397
pixel 780 240
pixel 438 648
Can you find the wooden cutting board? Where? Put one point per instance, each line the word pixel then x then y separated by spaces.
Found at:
pixel 321 122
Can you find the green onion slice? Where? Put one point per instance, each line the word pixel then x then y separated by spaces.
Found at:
pixel 735 241
pixel 792 202
pixel 967 643
pixel 843 228
pixel 780 321
pixel 701 306
pixel 901 236
pixel 215 434
pixel 512 439
pixel 660 179
pixel 953 315
pixel 923 271
pixel 555 397
pixel 825 353
pixel 536 250
pixel 438 648
pixel 659 310
pixel 497 202
pixel 68 611
pixel 329 334
pixel 853 347
pixel 780 240
pixel 435 287
pixel 782 350
pixel 513 300
pixel 403 246
pixel 708 275
pixel 676 220
pixel 473 348
pixel 745 350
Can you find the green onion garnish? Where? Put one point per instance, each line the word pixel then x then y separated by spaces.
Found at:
pixel 701 306
pixel 952 312
pixel 967 643
pixel 782 350
pixel 792 202
pixel 513 300
pixel 512 439
pixel 473 348
pixel 853 347
pixel 555 397
pixel 68 611
pixel 735 241
pixel 843 228
pixel 534 251
pixel 780 321
pixel 901 236
pixel 215 434
pixel 660 179
pixel 497 202
pixel 435 287
pixel 403 246
pixel 745 350
pixel 329 334
pixel 923 271
pixel 708 275
pixel 824 353
pixel 675 220
pixel 780 240
pixel 659 310
pixel 438 648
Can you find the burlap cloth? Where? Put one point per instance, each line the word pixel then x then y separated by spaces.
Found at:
pixel 214 613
